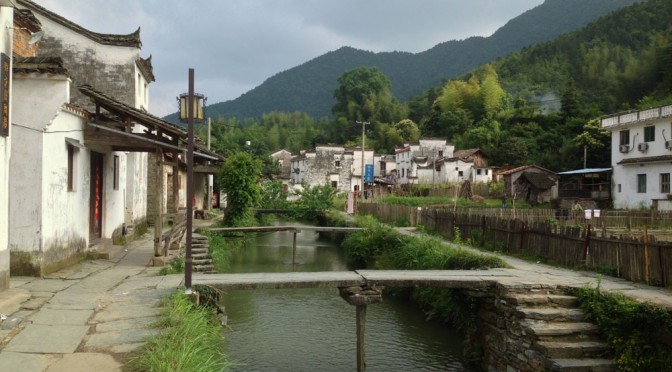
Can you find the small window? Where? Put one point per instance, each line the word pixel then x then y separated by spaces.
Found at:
pixel 619 187
pixel 478 172
pixel 665 183
pixel 624 137
pixel 337 163
pixel 649 134
pixel 641 183
pixel 440 153
pixel 460 174
pixel 486 172
pixel 72 162
pixel 116 173
pixel 334 184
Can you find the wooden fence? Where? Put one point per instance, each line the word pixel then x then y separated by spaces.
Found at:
pixel 640 258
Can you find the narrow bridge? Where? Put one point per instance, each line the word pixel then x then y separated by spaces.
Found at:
pixel 360 288
pixel 293 229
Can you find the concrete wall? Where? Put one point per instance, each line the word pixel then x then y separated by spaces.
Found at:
pixel 6 20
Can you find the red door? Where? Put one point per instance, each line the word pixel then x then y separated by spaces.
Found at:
pixel 96 200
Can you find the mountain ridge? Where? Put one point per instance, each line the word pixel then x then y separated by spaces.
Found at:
pixel 309 86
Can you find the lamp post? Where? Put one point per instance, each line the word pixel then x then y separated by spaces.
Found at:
pixel 364 123
pixel 191 109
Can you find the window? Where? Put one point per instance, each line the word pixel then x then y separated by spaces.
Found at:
pixel 72 162
pixel 478 172
pixel 334 184
pixel 440 153
pixel 641 183
pixel 649 134
pixel 408 172
pixel 116 173
pixel 665 183
pixel 337 163
pixel 460 174
pixel 402 173
pixel 486 172
pixel 624 137
pixel 619 187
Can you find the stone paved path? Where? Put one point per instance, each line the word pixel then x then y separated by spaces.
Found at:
pixel 86 317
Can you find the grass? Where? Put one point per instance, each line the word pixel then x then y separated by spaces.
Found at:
pixel 435 201
pixel 190 340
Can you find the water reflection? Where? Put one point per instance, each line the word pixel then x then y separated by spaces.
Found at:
pixel 314 329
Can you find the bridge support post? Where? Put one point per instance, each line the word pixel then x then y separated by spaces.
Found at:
pixel 360 297
pixel 294 251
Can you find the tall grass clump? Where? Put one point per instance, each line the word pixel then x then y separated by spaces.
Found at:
pixel 640 333
pixel 190 340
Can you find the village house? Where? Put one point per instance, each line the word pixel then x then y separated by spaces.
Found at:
pixel 416 162
pixel 80 175
pixel 6 22
pixel 531 183
pixel 641 153
pixel 336 165
pixel 284 159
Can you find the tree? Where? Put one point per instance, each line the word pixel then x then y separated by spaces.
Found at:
pixel 408 130
pixel 365 94
pixel 314 201
pixel 238 179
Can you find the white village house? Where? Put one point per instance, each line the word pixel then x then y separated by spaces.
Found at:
pixel 81 173
pixel 338 166
pixel 641 157
pixel 6 22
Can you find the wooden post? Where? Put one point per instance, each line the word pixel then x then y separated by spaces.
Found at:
pixel 586 245
pixel 294 250
pixel 646 255
pixel 158 220
pixel 361 327
pixel 176 184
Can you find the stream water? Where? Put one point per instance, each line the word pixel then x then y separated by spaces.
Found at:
pixel 314 329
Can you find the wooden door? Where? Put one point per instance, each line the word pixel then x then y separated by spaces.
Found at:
pixel 96 199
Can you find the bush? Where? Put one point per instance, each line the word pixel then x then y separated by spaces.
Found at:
pixel 640 334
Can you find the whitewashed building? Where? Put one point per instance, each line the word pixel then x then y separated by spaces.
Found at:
pixel 416 162
pixel 6 22
pixel 336 165
pixel 641 154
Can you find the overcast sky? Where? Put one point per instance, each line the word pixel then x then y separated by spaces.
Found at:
pixel 234 45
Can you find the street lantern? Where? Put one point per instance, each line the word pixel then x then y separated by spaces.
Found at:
pixel 191 110
pixel 198 108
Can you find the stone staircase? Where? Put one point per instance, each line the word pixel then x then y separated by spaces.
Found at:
pixel 201 260
pixel 556 324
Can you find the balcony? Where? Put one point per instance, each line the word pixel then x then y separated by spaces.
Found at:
pixel 634 117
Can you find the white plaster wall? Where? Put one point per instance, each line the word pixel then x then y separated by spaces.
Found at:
pixel 136 187
pixel 111 55
pixel 114 207
pixel 141 94
pixel 64 213
pixel 626 175
pixel 36 103
pixel 6 20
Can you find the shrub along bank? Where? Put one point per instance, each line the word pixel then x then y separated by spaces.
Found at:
pixel 382 247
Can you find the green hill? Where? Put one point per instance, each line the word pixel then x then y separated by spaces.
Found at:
pixel 309 87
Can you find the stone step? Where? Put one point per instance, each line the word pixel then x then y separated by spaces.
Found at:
pixel 199 256
pixel 196 245
pixel 202 268
pixel 581 365
pixel 543 300
pixel 580 349
pixel 556 314
pixel 199 251
pixel 561 331
pixel 201 262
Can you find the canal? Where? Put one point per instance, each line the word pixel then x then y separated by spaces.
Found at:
pixel 314 329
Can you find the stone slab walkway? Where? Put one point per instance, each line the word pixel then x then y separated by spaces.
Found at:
pixel 87 317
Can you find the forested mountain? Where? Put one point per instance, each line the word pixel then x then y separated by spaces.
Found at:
pixel 309 87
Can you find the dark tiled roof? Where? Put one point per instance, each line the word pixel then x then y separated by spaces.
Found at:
pixel 45 65
pixel 132 39
pixel 539 180
pixel 26 18
pixel 117 107
pixel 646 159
pixel 145 66
pixel 465 153
pixel 514 170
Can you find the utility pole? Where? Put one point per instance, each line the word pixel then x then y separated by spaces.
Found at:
pixel 364 124
pixel 210 176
